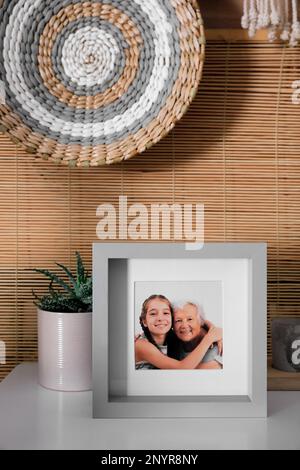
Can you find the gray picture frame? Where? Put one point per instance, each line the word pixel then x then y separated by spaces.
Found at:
pixel 109 278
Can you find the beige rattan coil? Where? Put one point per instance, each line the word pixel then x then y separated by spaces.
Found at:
pixel 93 83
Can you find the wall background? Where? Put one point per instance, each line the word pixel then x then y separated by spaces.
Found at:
pixel 236 151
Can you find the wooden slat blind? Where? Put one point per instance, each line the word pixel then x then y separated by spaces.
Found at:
pixel 236 151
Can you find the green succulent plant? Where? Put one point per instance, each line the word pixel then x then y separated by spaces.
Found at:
pixel 73 296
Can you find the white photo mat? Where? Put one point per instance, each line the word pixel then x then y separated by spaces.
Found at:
pixel 232 380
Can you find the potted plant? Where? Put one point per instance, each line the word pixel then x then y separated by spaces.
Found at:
pixel 65 330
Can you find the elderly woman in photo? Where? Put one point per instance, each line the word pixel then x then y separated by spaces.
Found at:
pixel 191 328
pixel 160 348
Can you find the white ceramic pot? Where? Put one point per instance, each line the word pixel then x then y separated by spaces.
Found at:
pixel 65 350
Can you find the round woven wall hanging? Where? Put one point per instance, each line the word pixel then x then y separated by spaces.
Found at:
pixel 88 83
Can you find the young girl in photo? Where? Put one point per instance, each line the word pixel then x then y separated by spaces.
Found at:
pixel 154 348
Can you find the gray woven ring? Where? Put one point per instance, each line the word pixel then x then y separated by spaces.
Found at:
pixel 91 83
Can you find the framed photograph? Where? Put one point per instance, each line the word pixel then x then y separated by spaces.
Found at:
pixel 179 333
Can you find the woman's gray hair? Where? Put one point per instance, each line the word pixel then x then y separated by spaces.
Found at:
pixel 181 303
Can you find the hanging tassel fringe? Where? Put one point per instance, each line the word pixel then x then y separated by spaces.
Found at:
pixel 279 16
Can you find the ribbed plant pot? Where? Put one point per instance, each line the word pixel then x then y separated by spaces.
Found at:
pixel 65 350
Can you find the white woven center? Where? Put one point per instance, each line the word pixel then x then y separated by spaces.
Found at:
pixel 89 55
pixel 136 111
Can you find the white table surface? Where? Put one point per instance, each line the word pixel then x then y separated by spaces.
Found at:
pixel 32 417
